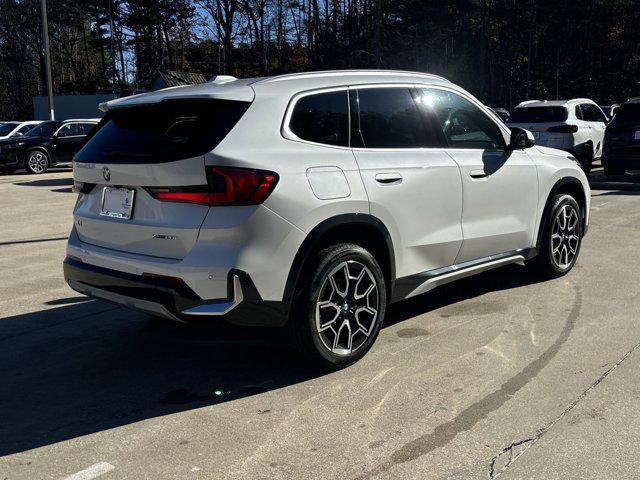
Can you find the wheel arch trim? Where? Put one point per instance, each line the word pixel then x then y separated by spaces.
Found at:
pixel 557 187
pixel 319 231
pixel 40 148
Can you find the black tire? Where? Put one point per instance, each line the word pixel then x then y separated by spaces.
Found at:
pixel 547 263
pixel 310 340
pixel 39 167
pixel 586 158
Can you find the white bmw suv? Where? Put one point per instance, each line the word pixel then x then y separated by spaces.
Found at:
pixel 312 201
pixel 576 126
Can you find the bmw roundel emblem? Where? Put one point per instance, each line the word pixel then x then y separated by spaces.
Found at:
pixel 106 173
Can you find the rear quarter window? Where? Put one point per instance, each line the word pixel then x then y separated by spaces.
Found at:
pixel 322 118
pixel 169 131
pixel 539 115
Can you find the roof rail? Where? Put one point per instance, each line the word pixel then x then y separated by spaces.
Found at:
pixel 529 102
pixel 327 73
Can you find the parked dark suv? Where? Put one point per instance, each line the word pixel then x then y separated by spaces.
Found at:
pixel 622 140
pixel 47 145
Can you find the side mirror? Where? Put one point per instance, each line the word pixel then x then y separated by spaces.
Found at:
pixel 521 139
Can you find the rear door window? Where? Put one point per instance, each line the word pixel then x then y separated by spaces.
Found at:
pixel 390 118
pixel 85 128
pixel 69 130
pixel 171 130
pixel 539 115
pixel 322 118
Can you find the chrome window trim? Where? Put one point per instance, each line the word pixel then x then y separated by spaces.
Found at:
pixel 288 134
pixel 73 123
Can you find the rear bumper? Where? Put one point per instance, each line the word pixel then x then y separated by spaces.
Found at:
pixel 559 141
pixel 172 298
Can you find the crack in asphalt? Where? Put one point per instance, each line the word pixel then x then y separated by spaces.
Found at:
pixel 529 442
pixel 470 416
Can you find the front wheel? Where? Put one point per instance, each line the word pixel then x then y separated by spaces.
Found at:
pixel 340 307
pixel 37 162
pixel 561 237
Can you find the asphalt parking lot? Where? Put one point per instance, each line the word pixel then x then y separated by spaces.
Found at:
pixel 497 375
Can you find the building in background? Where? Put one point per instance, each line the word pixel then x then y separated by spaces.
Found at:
pixel 86 106
pixel 70 106
pixel 172 78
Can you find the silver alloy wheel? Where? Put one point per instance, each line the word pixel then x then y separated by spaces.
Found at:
pixel 37 162
pixel 565 237
pixel 347 307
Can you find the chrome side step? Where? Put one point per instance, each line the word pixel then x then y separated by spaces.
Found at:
pixel 219 308
pixel 455 273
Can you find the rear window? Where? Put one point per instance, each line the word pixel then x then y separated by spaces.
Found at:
pixel 538 115
pixel 7 128
pixel 169 131
pixel 322 118
pixel 628 114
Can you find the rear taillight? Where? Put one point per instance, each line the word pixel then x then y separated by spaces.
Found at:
pixel 226 186
pixel 563 129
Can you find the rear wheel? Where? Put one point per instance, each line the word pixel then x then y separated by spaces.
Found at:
pixel 561 237
pixel 586 158
pixel 340 307
pixel 37 162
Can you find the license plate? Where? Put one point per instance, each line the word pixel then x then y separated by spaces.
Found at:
pixel 117 202
pixel 637 136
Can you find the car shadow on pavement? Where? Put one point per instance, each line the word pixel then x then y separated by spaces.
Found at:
pixel 86 367
pixel 618 185
pixel 46 182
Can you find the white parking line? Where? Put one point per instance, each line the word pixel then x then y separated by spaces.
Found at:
pixel 92 472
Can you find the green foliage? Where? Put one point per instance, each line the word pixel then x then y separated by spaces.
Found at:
pixel 504 51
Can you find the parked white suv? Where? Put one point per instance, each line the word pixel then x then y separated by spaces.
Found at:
pixel 312 201
pixel 576 126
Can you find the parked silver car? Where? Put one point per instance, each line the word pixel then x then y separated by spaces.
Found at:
pixel 312 200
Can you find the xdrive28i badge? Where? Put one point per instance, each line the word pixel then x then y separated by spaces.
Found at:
pixel 106 173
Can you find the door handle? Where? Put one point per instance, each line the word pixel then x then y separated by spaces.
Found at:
pixel 478 174
pixel 389 178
